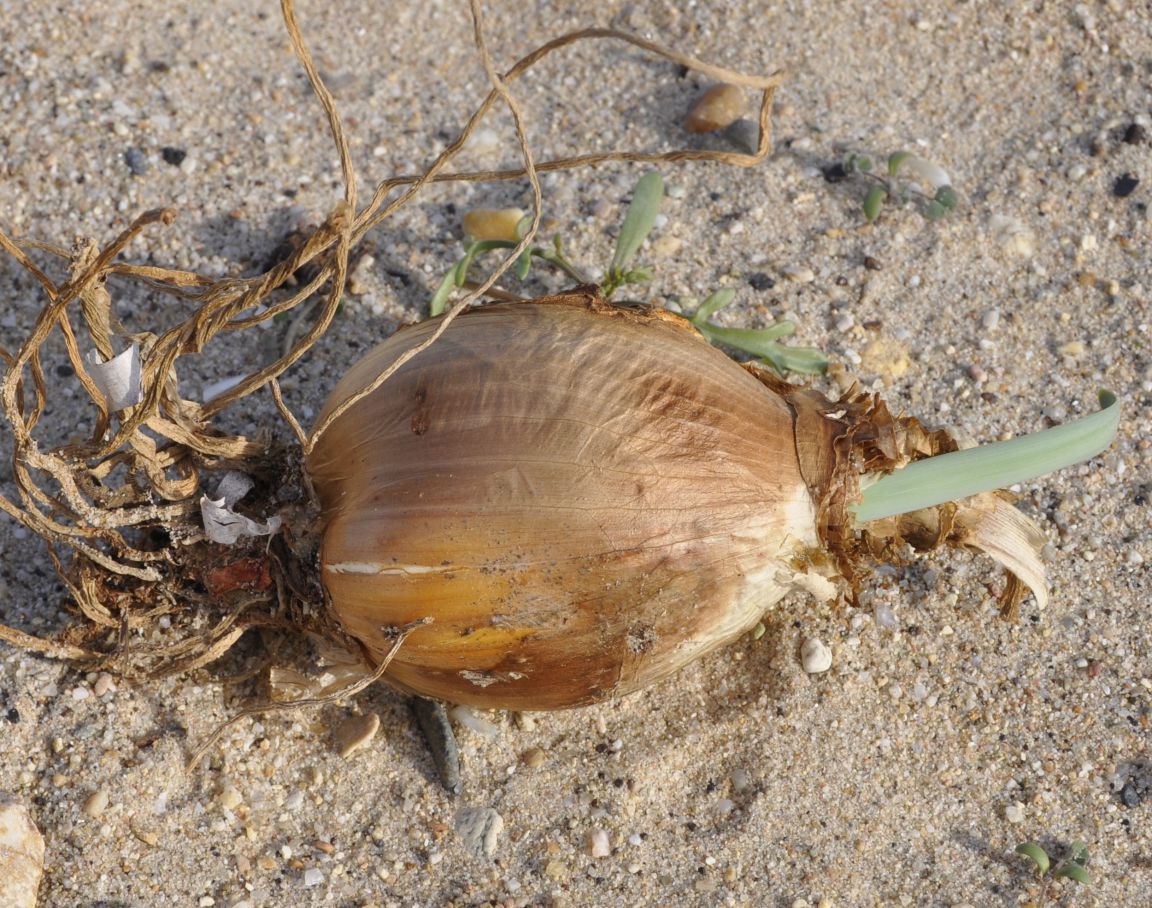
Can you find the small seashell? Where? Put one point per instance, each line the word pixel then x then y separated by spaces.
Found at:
pixel 720 106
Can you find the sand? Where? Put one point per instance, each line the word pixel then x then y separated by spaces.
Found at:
pixel 939 739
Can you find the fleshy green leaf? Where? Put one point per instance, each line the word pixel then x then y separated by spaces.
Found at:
pixel 946 196
pixel 895 160
pixel 873 201
pixel 439 299
pixel 1079 853
pixel 863 163
pixel 803 360
pixel 1037 854
pixel 715 301
pixel 639 220
pixel 763 343
pixel 1073 872
pixel 934 211
pixel 523 264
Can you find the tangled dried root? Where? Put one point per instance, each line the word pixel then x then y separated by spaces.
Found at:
pixel 121 512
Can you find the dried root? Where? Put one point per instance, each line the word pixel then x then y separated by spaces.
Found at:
pixel 121 511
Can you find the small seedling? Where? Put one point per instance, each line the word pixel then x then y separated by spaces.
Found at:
pixel 1073 867
pixel 908 178
pixel 639 220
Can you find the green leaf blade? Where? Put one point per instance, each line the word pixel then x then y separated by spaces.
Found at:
pixel 639 220
pixel 1073 872
pixel 1036 854
pixel 948 477
pixel 873 202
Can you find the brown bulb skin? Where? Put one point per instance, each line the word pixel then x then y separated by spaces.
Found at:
pixel 582 498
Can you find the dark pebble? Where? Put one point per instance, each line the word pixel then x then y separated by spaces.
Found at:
pixel 872 264
pixel 173 156
pixel 13 715
pixel 1130 794
pixel 761 281
pixel 65 371
pixel 743 135
pixel 1135 134
pixel 835 174
pixel 433 721
pixel 136 160
pixel 1125 186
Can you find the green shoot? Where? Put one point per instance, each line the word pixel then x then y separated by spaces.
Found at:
pixel 949 477
pixel 638 223
pixel 906 178
pixel 1072 867
pixel 639 220
pixel 762 342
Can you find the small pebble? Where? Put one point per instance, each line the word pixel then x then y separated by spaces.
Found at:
pixel 1135 134
pixel 137 161
pixel 533 758
pixel 474 722
pixel 484 142
pixel 599 845
pixel 313 876
pixel 173 156
pixel 355 732
pixel 229 798
pixel 480 829
pixel 990 320
pixel 743 135
pixel 1012 235
pixel 21 855
pixel 1014 813
pixel 798 273
pixel 815 657
pixel 96 803
pixel 104 683
pixel 760 281
pixel 1125 186
pixel 492 223
pixel 359 274
pixel 872 264
pixel 719 106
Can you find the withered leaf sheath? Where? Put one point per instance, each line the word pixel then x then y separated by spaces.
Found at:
pixel 582 498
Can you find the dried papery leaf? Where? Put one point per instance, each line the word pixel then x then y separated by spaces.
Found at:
pixel 118 379
pixel 990 524
pixel 222 523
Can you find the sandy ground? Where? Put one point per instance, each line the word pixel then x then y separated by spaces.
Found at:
pixel 903 776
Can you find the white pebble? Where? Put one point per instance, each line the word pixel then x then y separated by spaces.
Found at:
pixel 599 845
pixel 798 273
pixel 21 855
pixel 313 876
pixel 480 828
pixel 473 722
pixel 1014 813
pixel 990 320
pixel 884 616
pixel 815 656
